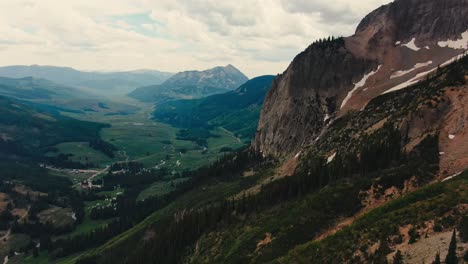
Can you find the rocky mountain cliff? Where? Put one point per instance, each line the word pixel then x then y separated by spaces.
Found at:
pixel 394 46
pixel 193 84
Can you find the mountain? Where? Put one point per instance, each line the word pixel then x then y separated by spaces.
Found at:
pixel 49 95
pixel 38 89
pixel 394 46
pixel 237 111
pixel 117 82
pixel 353 162
pixel 27 130
pixel 374 183
pixel 192 84
pixel 359 157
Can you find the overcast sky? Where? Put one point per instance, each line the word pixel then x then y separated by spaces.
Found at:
pixel 257 36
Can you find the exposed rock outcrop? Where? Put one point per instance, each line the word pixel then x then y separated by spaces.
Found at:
pixel 393 47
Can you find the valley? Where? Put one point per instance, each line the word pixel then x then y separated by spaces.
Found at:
pixel 137 138
pixel 355 153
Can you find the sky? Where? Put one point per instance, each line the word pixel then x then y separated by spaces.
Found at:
pixel 257 36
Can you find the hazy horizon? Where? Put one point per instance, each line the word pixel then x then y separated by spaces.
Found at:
pixel 258 37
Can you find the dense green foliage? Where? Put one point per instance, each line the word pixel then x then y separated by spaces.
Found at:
pixel 35 89
pixel 197 135
pixel 381 223
pixel 464 229
pixel 295 210
pixel 174 235
pixel 28 132
pixel 129 211
pixel 103 146
pixel 238 110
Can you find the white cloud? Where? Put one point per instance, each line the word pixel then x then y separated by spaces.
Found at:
pixel 257 36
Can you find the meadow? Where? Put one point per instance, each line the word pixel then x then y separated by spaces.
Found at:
pixel 139 138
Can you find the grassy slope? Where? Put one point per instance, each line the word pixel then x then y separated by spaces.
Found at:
pixel 237 111
pixel 139 138
pixel 33 129
pixel 46 95
pixel 295 223
pixel 430 202
pixel 160 188
pixel 82 152
pixel 193 199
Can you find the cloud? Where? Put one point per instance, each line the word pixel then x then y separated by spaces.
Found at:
pixel 257 36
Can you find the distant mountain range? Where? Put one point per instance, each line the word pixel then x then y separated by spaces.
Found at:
pixel 192 84
pixel 237 111
pixel 50 95
pixel 100 82
pixel 38 89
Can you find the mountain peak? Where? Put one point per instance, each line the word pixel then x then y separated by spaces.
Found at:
pixel 394 46
pixel 230 67
pixel 193 84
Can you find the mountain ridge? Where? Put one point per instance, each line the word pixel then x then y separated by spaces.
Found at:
pixel 355 69
pixel 192 84
pixel 121 82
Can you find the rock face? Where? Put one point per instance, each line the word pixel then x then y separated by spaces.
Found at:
pixel 193 84
pixel 393 47
pixel 228 77
pixel 299 100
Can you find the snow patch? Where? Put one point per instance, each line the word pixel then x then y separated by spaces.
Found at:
pixel 409 82
pixel 331 158
pixel 178 163
pixel 398 43
pixel 418 65
pixel 451 177
pixel 450 136
pixel 412 45
pixel 73 216
pixel 456 44
pixel 358 85
pixel 326 118
pixel 452 60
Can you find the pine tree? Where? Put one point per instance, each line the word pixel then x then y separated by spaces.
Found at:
pixel 437 259
pixel 398 258
pixel 464 229
pixel 452 251
pixel 35 252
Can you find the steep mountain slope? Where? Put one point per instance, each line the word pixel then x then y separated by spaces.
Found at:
pixel 117 82
pixel 52 96
pixel 192 84
pixel 368 187
pixel 394 46
pixel 38 89
pixel 238 110
pixel 27 132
